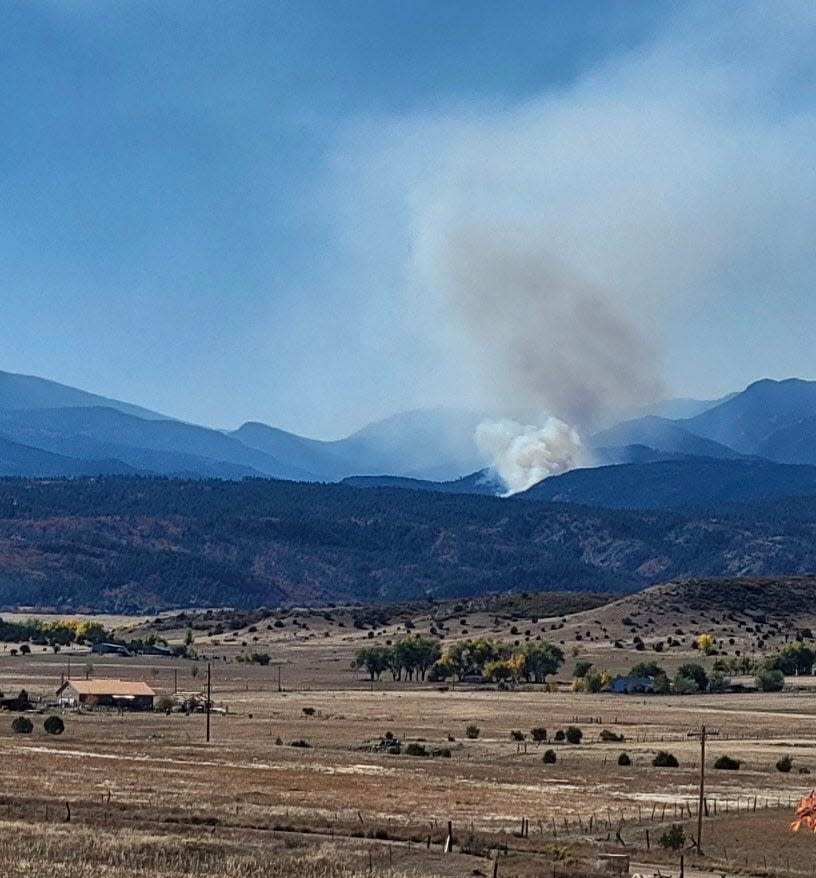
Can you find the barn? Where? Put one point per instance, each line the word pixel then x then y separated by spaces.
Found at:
pixel 102 692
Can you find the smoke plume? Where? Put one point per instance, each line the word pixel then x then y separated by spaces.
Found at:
pixel 522 455
pixel 549 341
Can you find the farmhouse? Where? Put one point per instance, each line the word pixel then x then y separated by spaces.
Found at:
pixel 106 693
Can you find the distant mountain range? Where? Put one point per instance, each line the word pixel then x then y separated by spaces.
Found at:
pixel 93 434
pixel 753 445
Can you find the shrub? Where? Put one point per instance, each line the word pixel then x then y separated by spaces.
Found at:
pixel 308 711
pixel 624 759
pixel 539 734
pixel 164 702
pixel 22 725
pixel 770 680
pixel 726 763
pixel 472 731
pixel 559 735
pixel 607 735
pixel 581 668
pixel 54 725
pixel 685 686
pixel 414 749
pixel 784 764
pixel 664 759
pixel 517 735
pixel 549 757
pixel 299 743
pixel 673 838
pixel 573 735
pixel 695 672
pixel 444 752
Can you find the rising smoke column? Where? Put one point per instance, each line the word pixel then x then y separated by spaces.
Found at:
pixel 542 339
pixel 522 455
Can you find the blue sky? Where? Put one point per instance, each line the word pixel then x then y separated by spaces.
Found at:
pixel 248 210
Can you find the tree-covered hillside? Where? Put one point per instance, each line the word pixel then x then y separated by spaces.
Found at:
pixel 127 543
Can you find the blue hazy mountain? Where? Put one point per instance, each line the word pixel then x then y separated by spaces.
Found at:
pixel 25 392
pixel 748 421
pixel 661 434
pixel 23 460
pixel 775 420
pixel 681 407
pixel 157 446
pixel 427 444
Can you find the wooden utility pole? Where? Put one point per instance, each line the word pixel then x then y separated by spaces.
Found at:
pixel 209 698
pixel 175 681
pixel 702 735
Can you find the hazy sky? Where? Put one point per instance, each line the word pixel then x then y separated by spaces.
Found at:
pixel 317 214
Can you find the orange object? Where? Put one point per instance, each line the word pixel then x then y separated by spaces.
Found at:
pixel 806 813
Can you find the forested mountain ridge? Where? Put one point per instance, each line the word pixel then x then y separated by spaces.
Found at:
pixel 128 543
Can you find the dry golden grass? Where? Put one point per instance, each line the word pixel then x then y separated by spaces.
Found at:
pixel 150 797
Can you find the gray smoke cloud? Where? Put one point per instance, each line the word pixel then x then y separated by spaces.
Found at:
pixel 552 343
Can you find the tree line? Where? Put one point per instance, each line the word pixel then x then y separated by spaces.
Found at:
pixel 419 657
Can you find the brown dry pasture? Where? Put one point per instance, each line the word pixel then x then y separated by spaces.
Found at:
pixel 148 796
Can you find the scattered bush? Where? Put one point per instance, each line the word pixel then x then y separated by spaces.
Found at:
pixel 610 736
pixel 444 752
pixel 54 725
pixel 472 731
pixel 726 763
pixel 664 759
pixel 573 735
pixel 559 736
pixel 549 757
pixel 770 680
pixel 308 711
pixel 581 668
pixel 164 703
pixel 414 749
pixel 624 759
pixel 539 734
pixel 517 735
pixel 784 764
pixel 299 743
pixel 22 725
pixel 673 838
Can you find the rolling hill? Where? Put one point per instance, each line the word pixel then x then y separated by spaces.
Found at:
pixel 677 483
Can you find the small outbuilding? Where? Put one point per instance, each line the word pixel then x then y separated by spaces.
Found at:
pixel 630 685
pixel 110 649
pixel 102 692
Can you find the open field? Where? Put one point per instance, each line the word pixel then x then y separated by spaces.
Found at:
pixel 147 790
